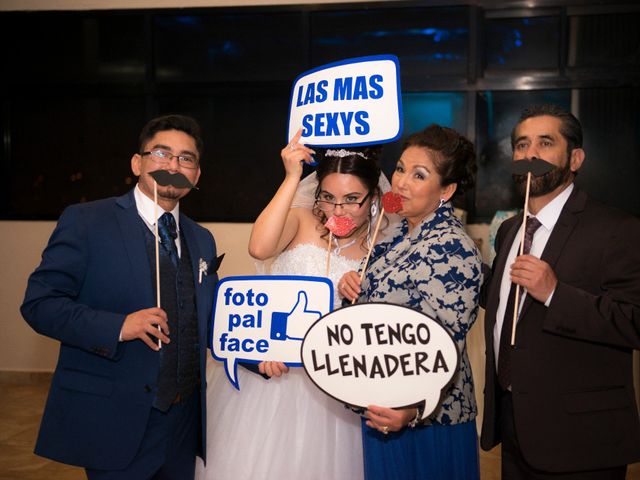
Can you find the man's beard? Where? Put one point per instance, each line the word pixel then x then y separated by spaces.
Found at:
pixel 544 183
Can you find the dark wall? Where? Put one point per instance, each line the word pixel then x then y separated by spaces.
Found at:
pixel 77 87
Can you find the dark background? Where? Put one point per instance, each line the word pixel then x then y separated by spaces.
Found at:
pixel 77 87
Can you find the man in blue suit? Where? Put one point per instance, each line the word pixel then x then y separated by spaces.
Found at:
pixel 119 404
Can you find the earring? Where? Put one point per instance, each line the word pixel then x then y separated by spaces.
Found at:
pixel 441 202
pixel 374 209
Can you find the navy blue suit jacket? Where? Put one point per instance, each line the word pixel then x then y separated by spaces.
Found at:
pixel 94 272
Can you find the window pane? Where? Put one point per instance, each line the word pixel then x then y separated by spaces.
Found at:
pixel 497 114
pixel 605 40
pixel 420 110
pixel 611 124
pixel 70 150
pixel 229 47
pixel 530 43
pixel 243 134
pixel 428 41
pixel 72 47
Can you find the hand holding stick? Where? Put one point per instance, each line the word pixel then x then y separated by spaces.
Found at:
pixel 392 203
pixel 155 232
pixel 537 167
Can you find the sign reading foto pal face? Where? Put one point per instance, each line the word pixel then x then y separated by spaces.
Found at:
pixel 353 102
pixel 260 318
pixel 380 354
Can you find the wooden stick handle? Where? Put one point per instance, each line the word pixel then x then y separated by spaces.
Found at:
pixel 373 242
pixel 155 232
pixel 524 228
pixel 329 253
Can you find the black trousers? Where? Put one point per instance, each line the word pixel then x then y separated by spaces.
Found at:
pixel 168 449
pixel 515 467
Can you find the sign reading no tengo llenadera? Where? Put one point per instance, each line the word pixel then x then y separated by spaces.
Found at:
pixel 352 102
pixel 380 354
pixel 261 318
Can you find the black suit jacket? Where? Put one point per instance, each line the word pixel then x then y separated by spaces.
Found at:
pixel 572 383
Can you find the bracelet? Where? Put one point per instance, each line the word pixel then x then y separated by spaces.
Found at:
pixel 417 419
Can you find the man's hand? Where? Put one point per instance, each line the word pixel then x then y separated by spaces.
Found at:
pixel 143 323
pixel 535 275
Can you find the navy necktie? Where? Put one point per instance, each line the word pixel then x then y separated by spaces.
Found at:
pixel 168 234
pixel 504 357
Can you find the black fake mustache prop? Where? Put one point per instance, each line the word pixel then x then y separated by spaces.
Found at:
pixel 536 166
pixel 165 178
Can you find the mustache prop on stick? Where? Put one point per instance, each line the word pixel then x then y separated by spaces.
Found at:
pixel 164 178
pixel 537 167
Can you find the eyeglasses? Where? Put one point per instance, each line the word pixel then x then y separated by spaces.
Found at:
pixel 348 206
pixel 163 157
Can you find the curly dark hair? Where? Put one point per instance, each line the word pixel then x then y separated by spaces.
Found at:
pixel 454 155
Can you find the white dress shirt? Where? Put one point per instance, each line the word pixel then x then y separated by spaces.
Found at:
pixel 548 217
pixel 151 212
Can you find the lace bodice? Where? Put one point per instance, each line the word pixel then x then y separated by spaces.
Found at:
pixel 310 260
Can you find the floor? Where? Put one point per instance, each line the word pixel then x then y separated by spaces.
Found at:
pixel 22 403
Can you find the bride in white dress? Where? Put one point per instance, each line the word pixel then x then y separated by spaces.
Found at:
pixel 284 428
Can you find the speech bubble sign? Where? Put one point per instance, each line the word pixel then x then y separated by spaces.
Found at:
pixel 259 318
pixel 352 102
pixel 380 354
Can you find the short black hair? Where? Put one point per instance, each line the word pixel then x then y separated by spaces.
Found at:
pixel 570 127
pixel 182 123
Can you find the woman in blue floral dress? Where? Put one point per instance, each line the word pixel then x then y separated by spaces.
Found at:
pixel 431 265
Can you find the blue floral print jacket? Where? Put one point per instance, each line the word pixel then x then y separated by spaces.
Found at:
pixel 434 269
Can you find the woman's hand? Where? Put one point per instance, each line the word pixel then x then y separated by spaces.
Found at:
pixel 349 285
pixel 294 153
pixel 388 420
pixel 272 369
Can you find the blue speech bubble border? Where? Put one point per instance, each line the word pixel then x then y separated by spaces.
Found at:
pixel 254 278
pixel 349 61
pixel 364 407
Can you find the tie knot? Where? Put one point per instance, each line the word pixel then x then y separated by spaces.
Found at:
pixel 168 224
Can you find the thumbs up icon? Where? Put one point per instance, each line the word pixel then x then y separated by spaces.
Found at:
pixel 299 319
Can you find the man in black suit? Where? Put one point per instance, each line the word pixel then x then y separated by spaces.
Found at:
pixel 561 399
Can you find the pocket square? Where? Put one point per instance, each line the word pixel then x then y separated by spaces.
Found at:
pixel 215 264
pixel 204 268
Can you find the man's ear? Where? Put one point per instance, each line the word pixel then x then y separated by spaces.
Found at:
pixel 577 157
pixel 136 167
pixel 195 182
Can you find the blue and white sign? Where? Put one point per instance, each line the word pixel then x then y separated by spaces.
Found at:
pixel 353 102
pixel 380 354
pixel 262 318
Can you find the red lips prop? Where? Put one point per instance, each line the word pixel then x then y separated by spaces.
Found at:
pixel 391 202
pixel 340 226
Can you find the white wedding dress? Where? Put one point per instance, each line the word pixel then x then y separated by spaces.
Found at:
pixel 282 428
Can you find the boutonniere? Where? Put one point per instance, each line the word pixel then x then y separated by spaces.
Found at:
pixel 202 269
